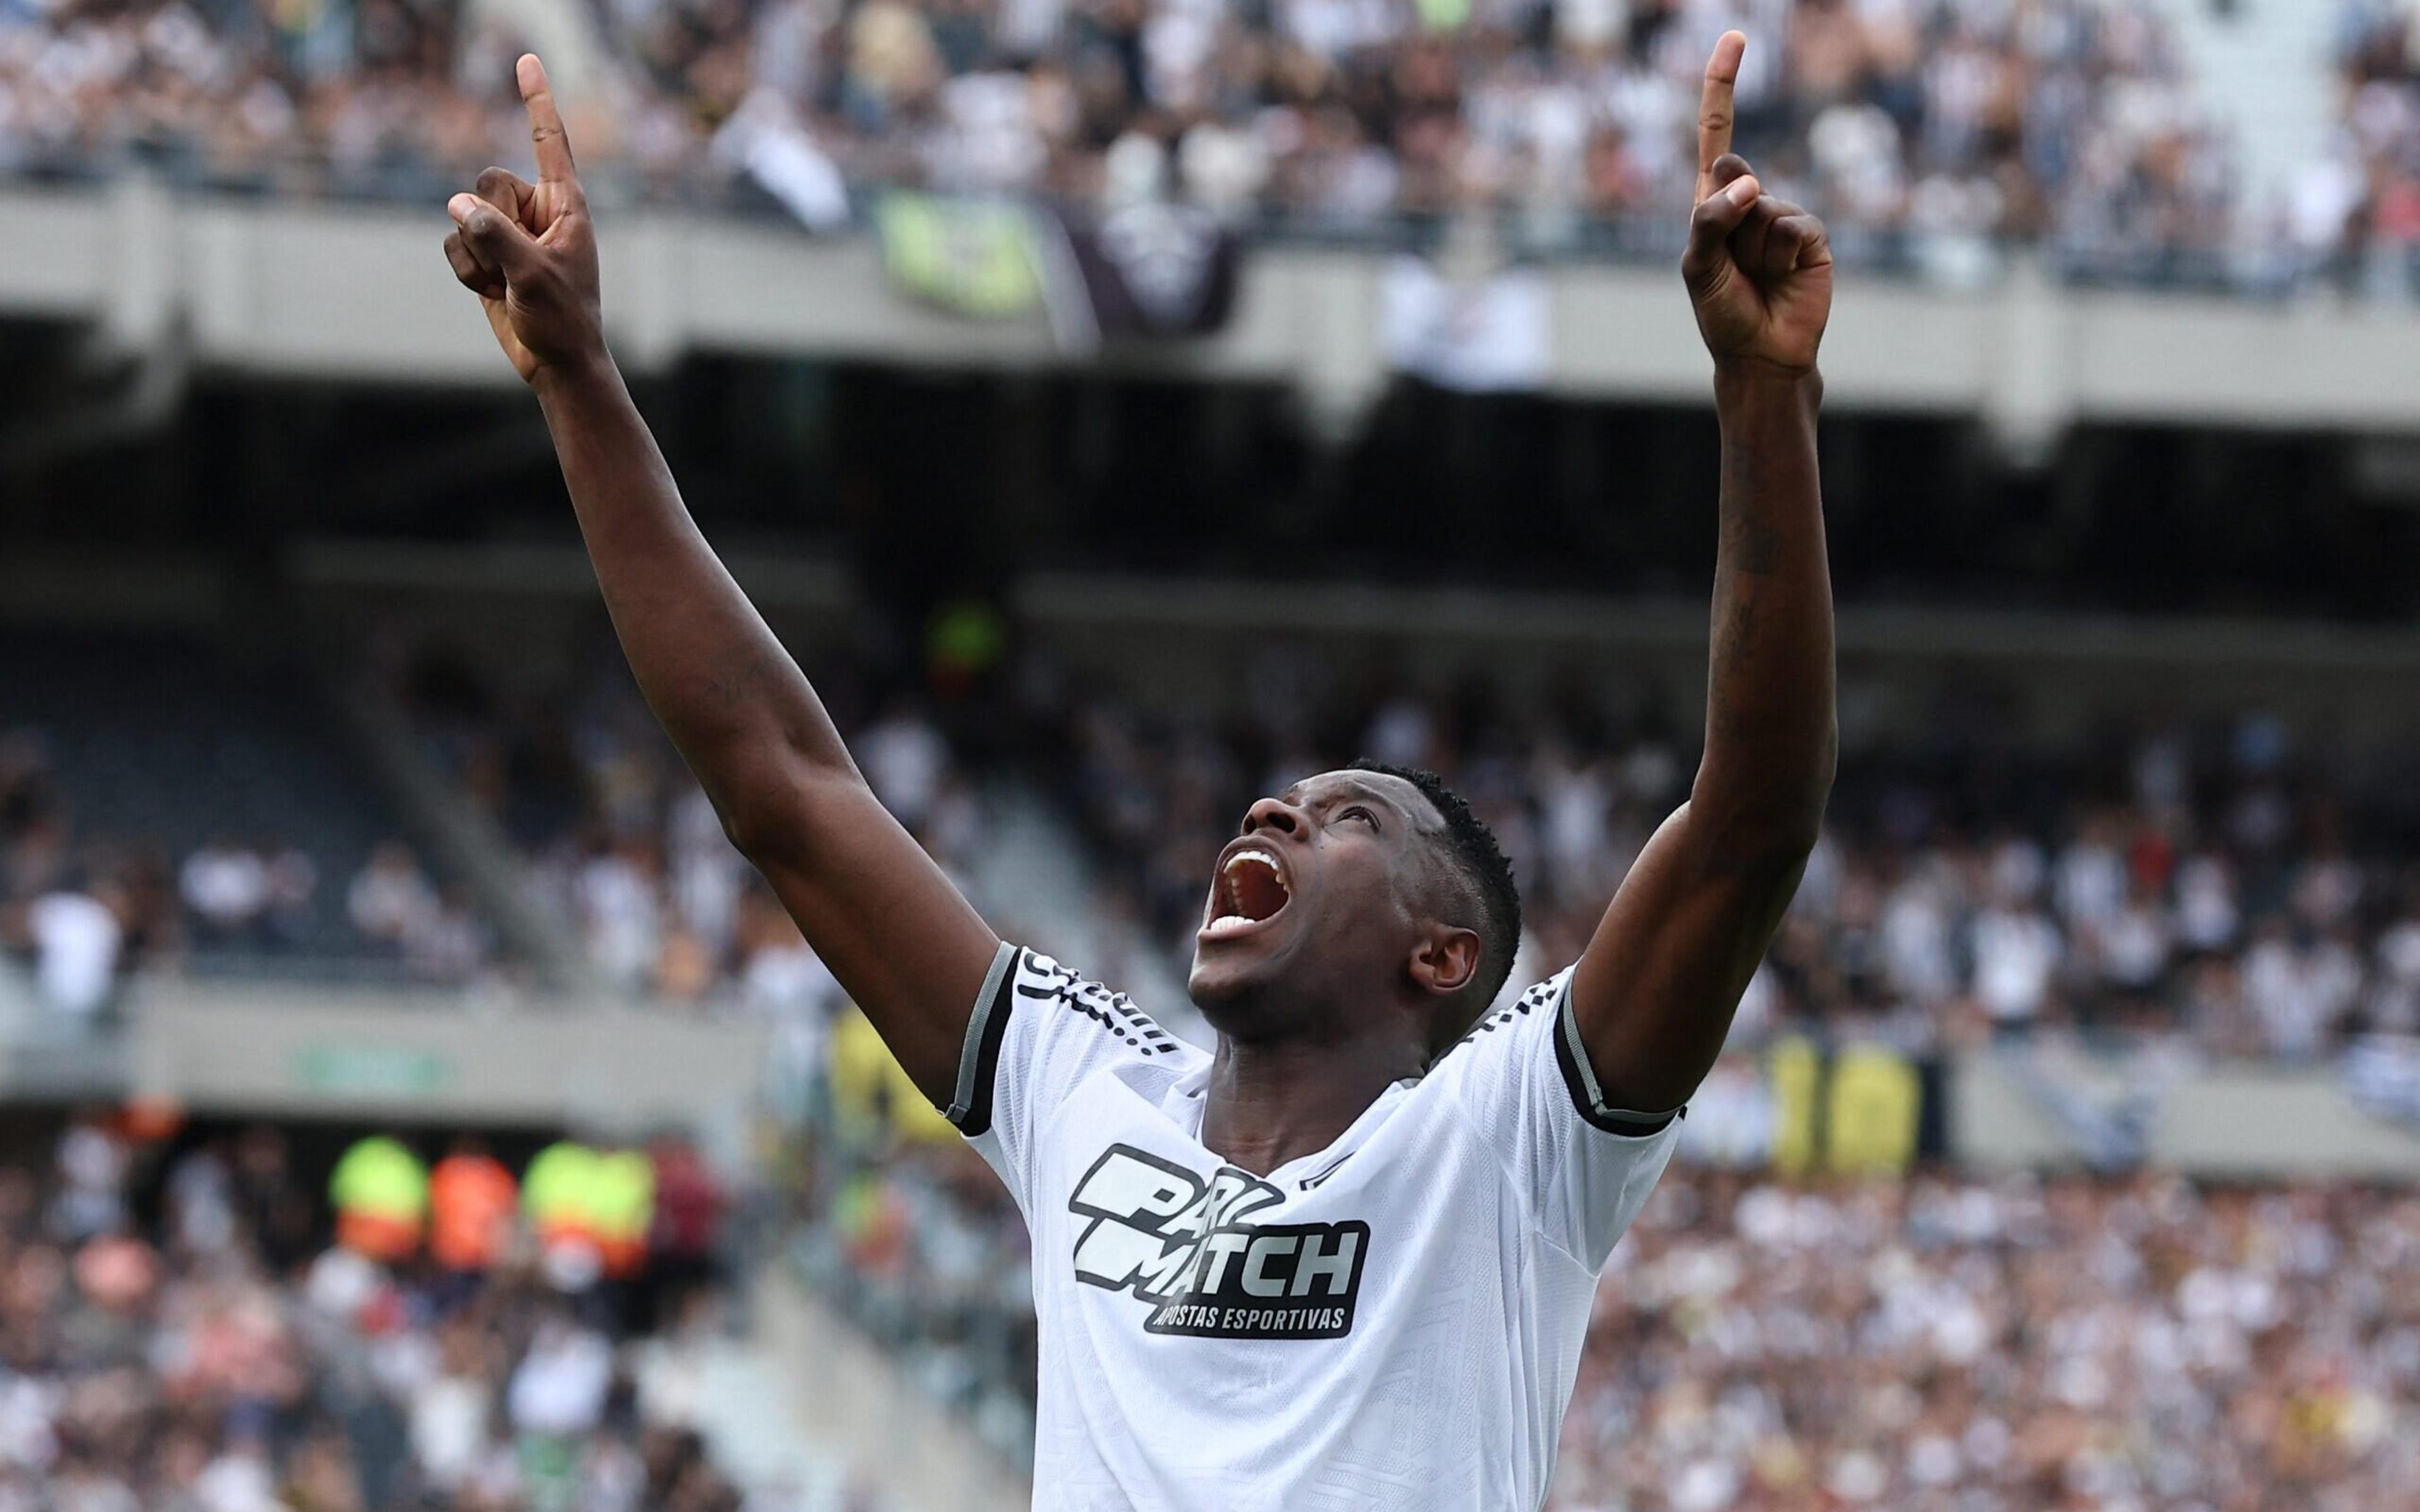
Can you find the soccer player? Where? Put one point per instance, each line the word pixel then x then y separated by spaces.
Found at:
pixel 1345 1259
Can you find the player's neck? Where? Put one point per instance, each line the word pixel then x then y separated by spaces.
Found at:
pixel 1272 1101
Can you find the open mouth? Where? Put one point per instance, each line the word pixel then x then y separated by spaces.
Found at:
pixel 1250 891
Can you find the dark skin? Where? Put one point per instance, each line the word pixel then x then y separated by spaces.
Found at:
pixel 1369 968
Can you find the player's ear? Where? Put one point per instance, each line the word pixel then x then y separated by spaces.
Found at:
pixel 1446 959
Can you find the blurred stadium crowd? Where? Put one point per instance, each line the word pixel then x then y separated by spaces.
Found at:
pixel 89 903
pixel 623 846
pixel 1919 127
pixel 179 1335
pixel 1964 1344
pixel 1940 1343
pixel 2219 887
pixel 2215 885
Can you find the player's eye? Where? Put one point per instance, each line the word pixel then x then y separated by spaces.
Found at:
pixel 1357 812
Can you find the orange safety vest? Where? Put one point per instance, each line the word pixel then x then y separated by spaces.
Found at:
pixel 471 1204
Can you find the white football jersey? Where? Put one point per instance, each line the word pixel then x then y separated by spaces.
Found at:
pixel 1392 1322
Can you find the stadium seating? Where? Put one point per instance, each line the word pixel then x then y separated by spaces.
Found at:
pixel 2217 886
pixel 1918 128
pixel 212 792
pixel 219 1358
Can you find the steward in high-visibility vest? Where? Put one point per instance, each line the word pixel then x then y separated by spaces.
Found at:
pixel 554 1198
pixel 471 1199
pixel 622 1206
pixel 380 1193
pixel 554 1195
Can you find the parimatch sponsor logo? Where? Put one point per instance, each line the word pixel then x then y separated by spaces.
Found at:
pixel 1186 1247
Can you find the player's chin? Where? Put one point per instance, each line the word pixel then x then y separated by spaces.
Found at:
pixel 1227 970
pixel 1215 971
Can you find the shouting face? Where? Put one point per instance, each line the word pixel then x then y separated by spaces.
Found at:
pixel 1330 895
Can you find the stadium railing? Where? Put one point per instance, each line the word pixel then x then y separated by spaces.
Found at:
pixel 285 287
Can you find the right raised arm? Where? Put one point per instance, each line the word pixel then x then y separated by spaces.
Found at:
pixel 907 948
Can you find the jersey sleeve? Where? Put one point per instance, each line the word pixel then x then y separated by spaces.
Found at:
pixel 1037 1031
pixel 1523 1078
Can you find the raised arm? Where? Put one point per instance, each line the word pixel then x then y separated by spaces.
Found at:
pixel 909 948
pixel 1654 993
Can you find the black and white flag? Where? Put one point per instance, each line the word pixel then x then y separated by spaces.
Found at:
pixel 1149 269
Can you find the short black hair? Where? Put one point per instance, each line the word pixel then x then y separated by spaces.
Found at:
pixel 1480 865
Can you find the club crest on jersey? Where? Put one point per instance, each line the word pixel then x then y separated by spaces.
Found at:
pixel 1187 1247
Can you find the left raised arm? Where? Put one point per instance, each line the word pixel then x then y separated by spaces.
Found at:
pixel 1654 993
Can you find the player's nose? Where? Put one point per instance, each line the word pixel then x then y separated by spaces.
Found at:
pixel 1273 813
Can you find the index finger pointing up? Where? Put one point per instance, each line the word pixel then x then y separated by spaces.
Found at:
pixel 546 122
pixel 1715 107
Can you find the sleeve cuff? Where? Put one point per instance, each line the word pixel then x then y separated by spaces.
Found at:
pixel 1588 1095
pixel 979 1061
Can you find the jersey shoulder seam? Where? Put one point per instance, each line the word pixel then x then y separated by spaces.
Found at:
pixel 1113 1012
pixel 1496 1018
pixel 1054 987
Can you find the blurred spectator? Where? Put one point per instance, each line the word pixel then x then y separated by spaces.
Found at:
pixel 686 1241
pixel 292 911
pixel 433 932
pixel 471 1200
pixel 226 886
pixel 76 936
pixel 448 943
pixel 379 1190
pixel 558 1390
pixel 905 760
pixel 390 898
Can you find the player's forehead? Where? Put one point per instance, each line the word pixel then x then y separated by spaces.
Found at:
pixel 1387 790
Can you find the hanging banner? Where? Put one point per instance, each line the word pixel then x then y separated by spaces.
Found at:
pixel 969 257
pixel 1142 270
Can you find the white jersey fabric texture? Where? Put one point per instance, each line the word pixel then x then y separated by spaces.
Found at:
pixel 1393 1322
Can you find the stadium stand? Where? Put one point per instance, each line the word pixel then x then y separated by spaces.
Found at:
pixel 1911 125
pixel 2229 885
pixel 334 98
pixel 2014 1345
pixel 221 1359
pixel 1919 127
pixel 168 801
pixel 1843 1297
pixel 1928 117
pixel 2217 884
pixel 2363 195
pixel 623 846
